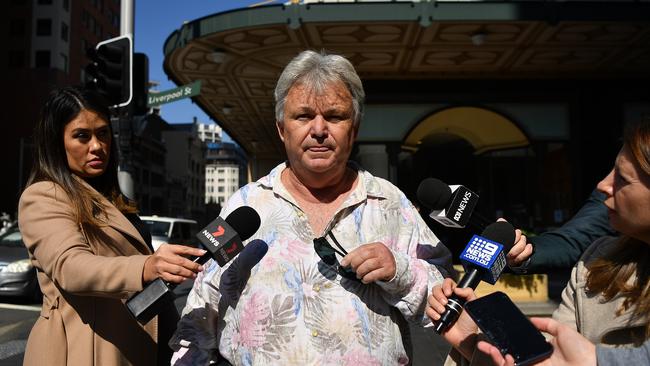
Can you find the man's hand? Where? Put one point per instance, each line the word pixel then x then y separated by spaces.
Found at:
pixel 569 347
pixel 169 262
pixel 461 335
pixel 371 262
pixel 520 251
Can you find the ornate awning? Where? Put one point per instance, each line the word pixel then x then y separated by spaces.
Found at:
pixel 239 54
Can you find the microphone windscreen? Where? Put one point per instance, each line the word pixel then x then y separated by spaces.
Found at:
pixel 253 253
pixel 502 232
pixel 245 221
pixel 434 193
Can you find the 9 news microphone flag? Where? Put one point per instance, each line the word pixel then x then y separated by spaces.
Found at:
pixel 483 259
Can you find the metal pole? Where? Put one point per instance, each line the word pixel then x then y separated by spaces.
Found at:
pixel 126 17
pixel 125 172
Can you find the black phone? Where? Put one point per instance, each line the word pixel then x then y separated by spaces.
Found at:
pixel 508 328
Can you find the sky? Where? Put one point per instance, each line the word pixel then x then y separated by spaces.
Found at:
pixel 154 21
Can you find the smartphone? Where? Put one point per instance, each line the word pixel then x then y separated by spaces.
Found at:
pixel 508 328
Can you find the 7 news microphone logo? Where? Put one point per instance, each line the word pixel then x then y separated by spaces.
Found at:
pixel 219 232
pixel 212 236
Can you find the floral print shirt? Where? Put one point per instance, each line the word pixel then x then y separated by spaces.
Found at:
pixel 286 306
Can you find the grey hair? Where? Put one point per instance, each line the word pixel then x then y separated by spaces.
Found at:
pixel 318 70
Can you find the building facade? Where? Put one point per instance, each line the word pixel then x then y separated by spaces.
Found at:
pixel 45 48
pixel 185 165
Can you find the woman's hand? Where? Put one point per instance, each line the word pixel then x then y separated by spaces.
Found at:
pixel 570 348
pixel 462 334
pixel 169 262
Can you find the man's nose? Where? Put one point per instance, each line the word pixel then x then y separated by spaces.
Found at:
pixel 319 126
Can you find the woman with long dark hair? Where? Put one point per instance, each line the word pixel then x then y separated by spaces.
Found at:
pixel 87 244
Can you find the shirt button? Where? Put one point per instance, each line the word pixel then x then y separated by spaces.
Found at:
pixel 328 285
pixel 314 333
pixel 316 288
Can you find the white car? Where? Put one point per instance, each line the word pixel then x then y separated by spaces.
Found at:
pixel 171 230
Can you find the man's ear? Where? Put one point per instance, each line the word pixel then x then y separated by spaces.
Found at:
pixel 280 127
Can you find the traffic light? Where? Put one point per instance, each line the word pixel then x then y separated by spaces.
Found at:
pixel 140 84
pixel 109 72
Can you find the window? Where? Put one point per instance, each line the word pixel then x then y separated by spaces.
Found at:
pixel 17 28
pixel 84 47
pixel 85 19
pixel 42 58
pixel 64 31
pixel 114 19
pixel 220 189
pixel 64 62
pixel 44 27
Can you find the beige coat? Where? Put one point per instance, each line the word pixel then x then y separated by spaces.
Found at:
pixel 85 278
pixel 590 315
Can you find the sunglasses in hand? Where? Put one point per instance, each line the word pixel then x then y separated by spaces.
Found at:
pixel 327 254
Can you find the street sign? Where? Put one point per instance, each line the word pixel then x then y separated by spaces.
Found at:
pixel 175 94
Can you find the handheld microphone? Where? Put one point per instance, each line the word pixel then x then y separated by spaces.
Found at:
pixel 223 241
pixel 451 206
pixel 483 259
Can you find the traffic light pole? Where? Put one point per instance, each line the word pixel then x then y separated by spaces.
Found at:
pixel 125 120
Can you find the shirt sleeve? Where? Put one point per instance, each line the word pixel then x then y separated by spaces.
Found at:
pixel 422 262
pixel 561 248
pixel 623 356
pixel 59 248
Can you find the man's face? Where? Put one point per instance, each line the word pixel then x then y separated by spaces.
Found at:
pixel 318 129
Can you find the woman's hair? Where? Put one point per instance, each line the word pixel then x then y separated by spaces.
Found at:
pixel 51 163
pixel 610 275
pixel 318 70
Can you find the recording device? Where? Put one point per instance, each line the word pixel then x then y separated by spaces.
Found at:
pixel 222 240
pixel 451 206
pixel 483 259
pixel 508 328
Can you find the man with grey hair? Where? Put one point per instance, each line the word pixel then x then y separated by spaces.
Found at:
pixel 349 258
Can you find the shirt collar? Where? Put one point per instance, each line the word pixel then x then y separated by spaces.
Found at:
pixel 368 185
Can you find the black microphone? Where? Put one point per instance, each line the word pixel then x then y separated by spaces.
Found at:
pixel 483 259
pixel 451 206
pixel 234 279
pixel 222 240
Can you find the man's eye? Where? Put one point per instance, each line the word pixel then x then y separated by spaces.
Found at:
pixel 304 117
pixel 81 136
